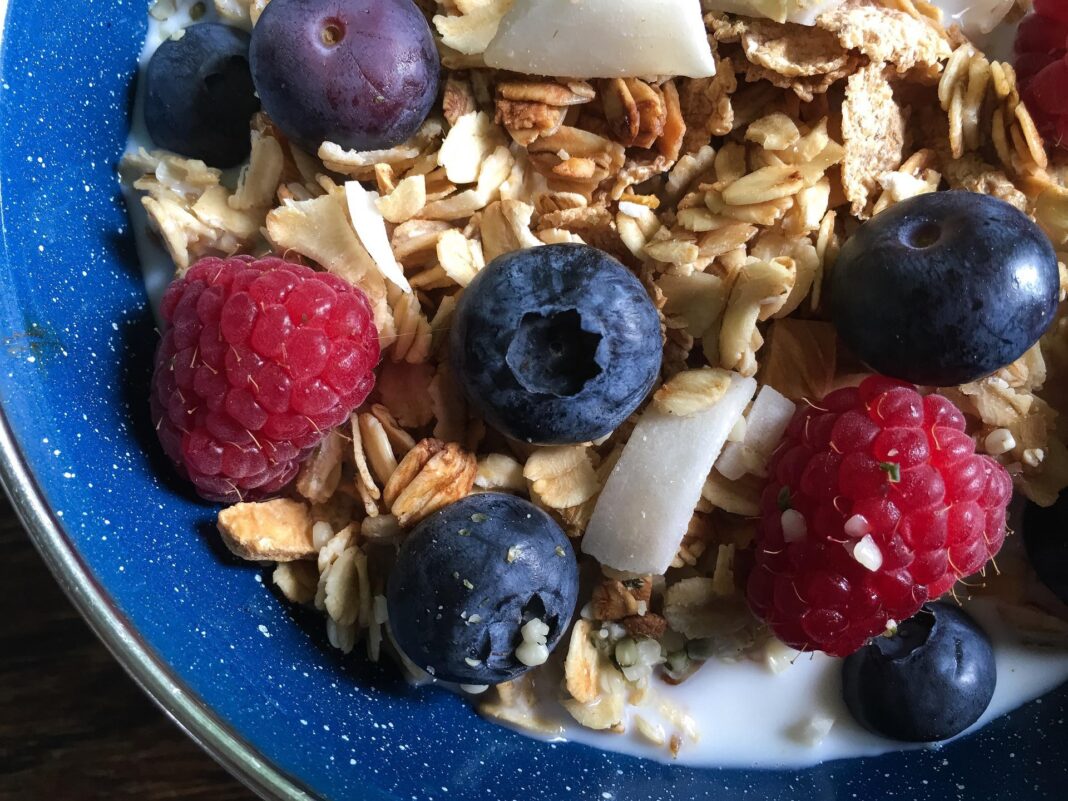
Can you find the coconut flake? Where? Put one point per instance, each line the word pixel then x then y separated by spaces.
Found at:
pixel 603 39
pixel 866 552
pixel 371 228
pixel 764 428
pixel 800 12
pixel 814 730
pixel 999 441
pixel 643 512
pixel 794 527
pixel 778 655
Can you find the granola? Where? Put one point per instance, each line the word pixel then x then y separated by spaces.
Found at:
pixel 728 195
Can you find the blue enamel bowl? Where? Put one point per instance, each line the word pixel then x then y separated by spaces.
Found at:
pixel 244 673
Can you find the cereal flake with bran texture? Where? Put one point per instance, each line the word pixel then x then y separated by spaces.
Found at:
pixel 873 133
pixel 888 36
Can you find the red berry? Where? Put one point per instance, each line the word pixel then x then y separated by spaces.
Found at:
pixel 259 360
pixel 878 461
pixel 1052 9
pixel 1042 69
pixel 1048 89
pixel 1041 36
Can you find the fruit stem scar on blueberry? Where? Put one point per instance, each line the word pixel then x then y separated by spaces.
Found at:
pixel 333 32
pixel 554 354
pixel 928 682
pixel 923 235
pixel 965 271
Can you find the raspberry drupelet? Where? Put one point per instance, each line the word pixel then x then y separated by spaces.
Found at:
pixel 876 503
pixel 259 360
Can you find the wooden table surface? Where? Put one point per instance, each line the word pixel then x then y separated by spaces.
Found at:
pixel 72 723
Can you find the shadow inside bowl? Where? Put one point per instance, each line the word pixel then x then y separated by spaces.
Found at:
pixel 139 354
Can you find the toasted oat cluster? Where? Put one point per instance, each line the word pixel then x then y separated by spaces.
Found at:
pixel 729 197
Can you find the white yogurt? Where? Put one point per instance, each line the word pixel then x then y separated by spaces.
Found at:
pixel 744 714
pixel 747 716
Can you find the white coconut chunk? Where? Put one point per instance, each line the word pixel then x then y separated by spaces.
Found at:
pixel 643 512
pixel 814 730
pixel 603 39
pixel 975 17
pixel 794 527
pixel 633 210
pixel 735 460
pixel 532 654
pixel 999 441
pixel 866 552
pixel 371 228
pixel 803 12
pixel 767 420
pixel 778 655
pixel 764 428
pixel 738 432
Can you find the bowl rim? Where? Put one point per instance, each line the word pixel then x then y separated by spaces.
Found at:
pixel 173 698
pixel 182 706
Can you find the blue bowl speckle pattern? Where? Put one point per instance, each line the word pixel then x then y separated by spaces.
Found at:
pixel 77 339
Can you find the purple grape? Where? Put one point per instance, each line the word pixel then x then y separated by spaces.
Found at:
pixel 361 73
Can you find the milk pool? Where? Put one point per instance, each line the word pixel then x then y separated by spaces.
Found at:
pixel 743 714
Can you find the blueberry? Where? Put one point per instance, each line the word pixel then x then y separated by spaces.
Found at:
pixel 1045 533
pixel 944 288
pixel 469 577
pixel 360 73
pixel 930 681
pixel 556 344
pixel 199 95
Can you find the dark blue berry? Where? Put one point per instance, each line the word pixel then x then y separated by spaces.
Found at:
pixel 1045 533
pixel 556 344
pixel 469 577
pixel 360 73
pixel 199 96
pixel 930 681
pixel 944 288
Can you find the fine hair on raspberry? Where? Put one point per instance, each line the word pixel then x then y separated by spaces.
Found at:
pixel 260 358
pixel 876 502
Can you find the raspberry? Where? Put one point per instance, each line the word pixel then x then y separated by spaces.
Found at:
pixel 1042 69
pixel 1052 10
pixel 260 359
pixel 876 503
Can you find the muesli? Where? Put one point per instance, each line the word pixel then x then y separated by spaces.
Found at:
pixel 729 334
